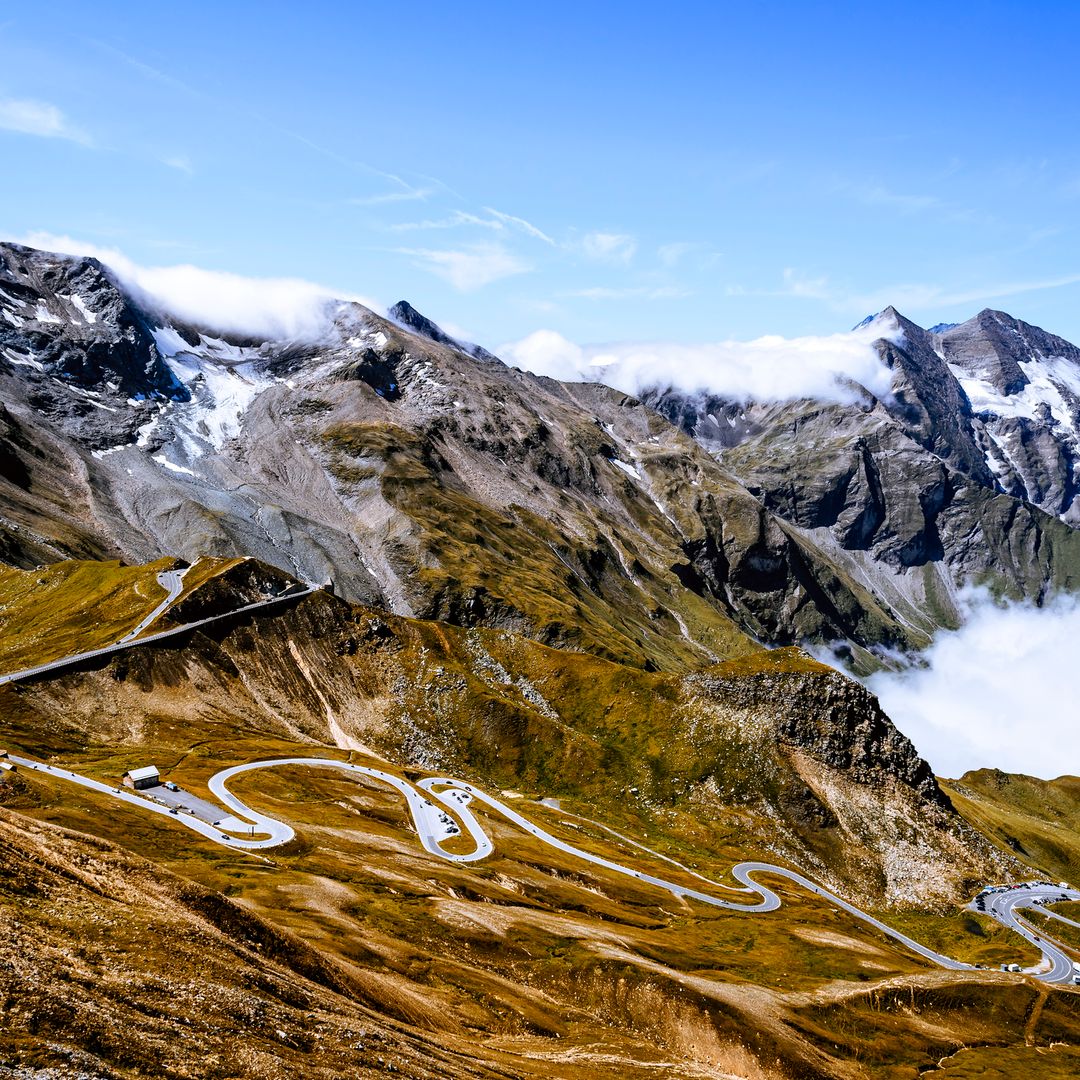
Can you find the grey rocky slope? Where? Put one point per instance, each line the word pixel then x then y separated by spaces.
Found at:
pixel 424 476
pixel 414 473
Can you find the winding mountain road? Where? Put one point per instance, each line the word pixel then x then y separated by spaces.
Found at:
pixel 440 810
pixel 129 641
pixel 172 581
pixel 1003 906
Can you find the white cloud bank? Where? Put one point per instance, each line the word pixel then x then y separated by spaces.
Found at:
pixel 268 307
pixel 39 118
pixel 997 693
pixel 766 369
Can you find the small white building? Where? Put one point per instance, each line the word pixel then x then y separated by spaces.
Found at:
pixel 6 769
pixel 142 778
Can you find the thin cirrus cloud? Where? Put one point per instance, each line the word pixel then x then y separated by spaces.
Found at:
pixel 907 296
pixel 630 292
pixel 272 307
pixel 673 254
pixel 526 227
pixel 388 198
pixel 469 268
pixel 179 162
pixel 496 220
pixel 794 284
pixel 458 219
pixel 28 117
pixel 915 296
pixel 700 254
pixel 609 247
pixel 769 368
pixel 879 195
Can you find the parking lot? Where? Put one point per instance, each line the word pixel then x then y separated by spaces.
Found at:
pixel 185 801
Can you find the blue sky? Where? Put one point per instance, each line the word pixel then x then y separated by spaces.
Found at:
pixel 684 173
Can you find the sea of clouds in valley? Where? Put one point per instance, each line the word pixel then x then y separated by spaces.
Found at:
pixel 996 693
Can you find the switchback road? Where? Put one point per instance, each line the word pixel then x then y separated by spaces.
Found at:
pixel 172 581
pixel 440 810
pixel 1004 903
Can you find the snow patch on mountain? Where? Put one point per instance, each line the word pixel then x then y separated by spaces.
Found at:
pixel 162 460
pixel 223 379
pixel 79 303
pixel 630 470
pixel 43 315
pixel 21 359
pixel 1046 380
pixel 1031 435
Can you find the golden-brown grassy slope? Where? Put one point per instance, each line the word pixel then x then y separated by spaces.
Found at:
pixel 114 964
pixel 525 523
pixel 72 607
pixel 781 752
pixel 1036 819
pixel 580 570
pixel 353 950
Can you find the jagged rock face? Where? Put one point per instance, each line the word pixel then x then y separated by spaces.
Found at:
pixel 71 331
pixel 407 316
pixel 811 752
pixel 844 730
pixel 926 399
pixel 1023 385
pixel 963 473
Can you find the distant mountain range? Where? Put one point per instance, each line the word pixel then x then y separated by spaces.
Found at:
pixel 964 473
pixel 422 474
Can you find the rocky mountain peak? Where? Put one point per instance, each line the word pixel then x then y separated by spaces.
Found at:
pixel 887 319
pixel 993 345
pixel 985 347
pixel 927 398
pixel 69 319
pixel 404 314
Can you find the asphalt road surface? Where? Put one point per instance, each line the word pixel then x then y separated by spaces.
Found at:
pixel 131 643
pixel 172 581
pixel 440 809
pixel 1003 904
